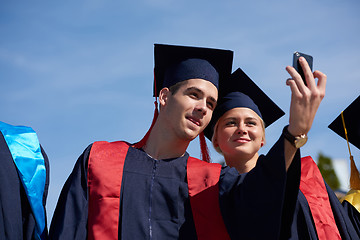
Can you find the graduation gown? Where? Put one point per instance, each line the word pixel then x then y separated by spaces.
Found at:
pixel 17 220
pixel 298 221
pixel 353 214
pixel 154 200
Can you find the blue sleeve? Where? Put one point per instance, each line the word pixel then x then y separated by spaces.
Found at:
pixel 71 213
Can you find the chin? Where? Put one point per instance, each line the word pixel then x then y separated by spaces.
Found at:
pixel 191 135
pixel 244 152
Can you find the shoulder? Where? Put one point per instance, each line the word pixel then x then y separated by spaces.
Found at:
pixel 197 163
pixel 104 146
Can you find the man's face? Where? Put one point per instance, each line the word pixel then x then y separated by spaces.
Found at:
pixel 189 110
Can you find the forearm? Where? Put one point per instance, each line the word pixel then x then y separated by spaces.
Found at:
pixel 289 153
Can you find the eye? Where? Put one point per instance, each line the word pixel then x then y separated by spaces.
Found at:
pixel 251 123
pixel 230 123
pixel 194 95
pixel 210 105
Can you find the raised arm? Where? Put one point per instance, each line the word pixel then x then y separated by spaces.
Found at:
pixel 305 101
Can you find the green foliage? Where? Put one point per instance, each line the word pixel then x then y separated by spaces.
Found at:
pixel 327 171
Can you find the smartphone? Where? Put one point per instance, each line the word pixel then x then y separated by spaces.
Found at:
pixel 297 65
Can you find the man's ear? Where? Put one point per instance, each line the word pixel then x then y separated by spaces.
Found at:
pixel 163 96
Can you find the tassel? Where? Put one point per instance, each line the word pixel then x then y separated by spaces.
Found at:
pixel 354 172
pixel 143 141
pixel 354 176
pixel 204 149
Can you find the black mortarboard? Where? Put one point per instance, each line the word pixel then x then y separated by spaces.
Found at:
pixel 241 91
pixel 174 64
pixel 352 123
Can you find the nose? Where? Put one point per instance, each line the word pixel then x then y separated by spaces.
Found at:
pixel 241 129
pixel 201 108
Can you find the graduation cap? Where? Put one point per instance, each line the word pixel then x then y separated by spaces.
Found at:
pixel 174 64
pixel 351 121
pixel 347 126
pixel 241 91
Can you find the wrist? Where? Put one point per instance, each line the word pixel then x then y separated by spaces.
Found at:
pixel 297 141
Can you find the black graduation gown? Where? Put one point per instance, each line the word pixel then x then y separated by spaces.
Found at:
pixel 354 215
pixel 16 218
pixel 298 221
pixel 155 202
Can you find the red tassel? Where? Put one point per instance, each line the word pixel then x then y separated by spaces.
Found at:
pixel 204 149
pixel 143 141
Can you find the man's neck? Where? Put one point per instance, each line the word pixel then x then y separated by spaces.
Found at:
pixel 162 145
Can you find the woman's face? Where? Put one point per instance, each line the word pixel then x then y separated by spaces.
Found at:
pixel 240 132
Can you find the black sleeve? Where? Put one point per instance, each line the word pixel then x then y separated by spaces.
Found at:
pixel 290 198
pixel 71 213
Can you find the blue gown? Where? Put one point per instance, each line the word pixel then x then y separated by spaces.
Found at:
pixel 298 222
pixel 155 202
pixel 17 220
pixel 354 215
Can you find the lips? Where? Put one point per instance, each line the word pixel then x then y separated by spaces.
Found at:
pixel 194 120
pixel 241 140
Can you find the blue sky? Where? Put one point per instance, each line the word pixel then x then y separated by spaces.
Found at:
pixel 82 71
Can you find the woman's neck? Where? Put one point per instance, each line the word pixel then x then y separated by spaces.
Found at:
pixel 241 163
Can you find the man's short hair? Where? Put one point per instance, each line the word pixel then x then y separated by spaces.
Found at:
pixel 174 88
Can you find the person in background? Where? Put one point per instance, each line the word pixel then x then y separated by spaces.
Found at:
pixel 24 182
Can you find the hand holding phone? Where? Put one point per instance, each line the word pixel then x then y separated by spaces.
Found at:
pixel 297 65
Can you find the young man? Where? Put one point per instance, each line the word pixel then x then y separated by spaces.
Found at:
pixel 24 182
pixel 152 200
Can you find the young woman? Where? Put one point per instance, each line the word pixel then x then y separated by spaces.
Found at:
pixel 240 133
pixel 238 128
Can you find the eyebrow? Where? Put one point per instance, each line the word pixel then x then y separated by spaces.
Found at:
pixel 200 91
pixel 235 118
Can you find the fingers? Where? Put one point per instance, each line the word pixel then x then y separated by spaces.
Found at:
pixel 296 78
pixel 294 89
pixel 304 100
pixel 322 79
pixel 309 77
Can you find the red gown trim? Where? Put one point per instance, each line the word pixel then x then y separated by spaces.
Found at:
pixel 313 187
pixel 105 169
pixel 203 184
